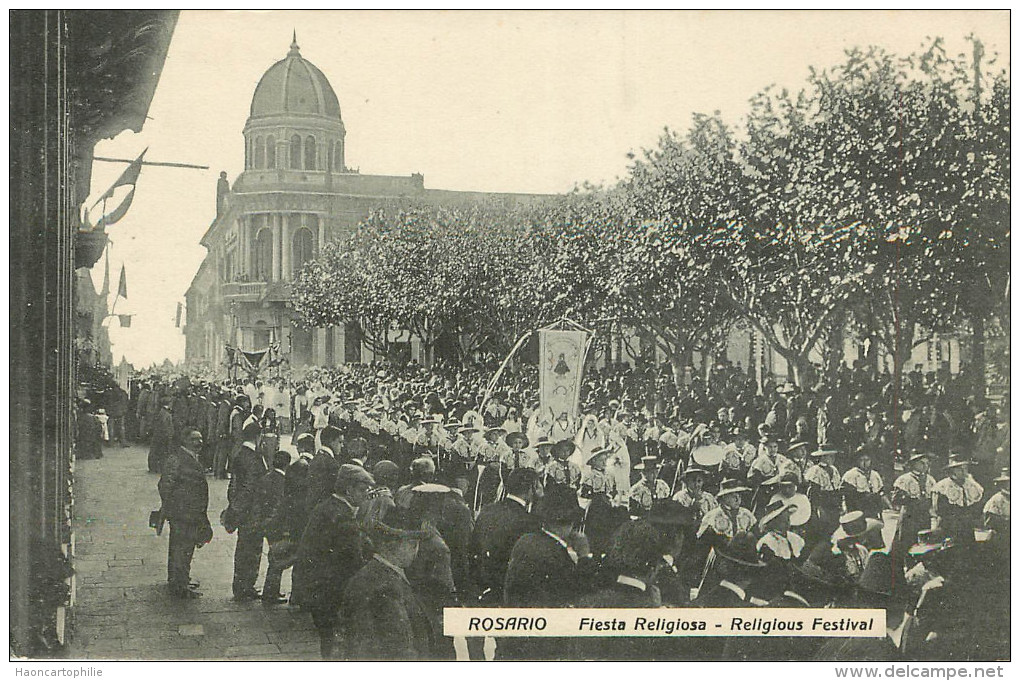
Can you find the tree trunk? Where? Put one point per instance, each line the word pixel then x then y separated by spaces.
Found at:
pixel 676 363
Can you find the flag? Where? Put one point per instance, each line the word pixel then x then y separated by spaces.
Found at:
pixel 561 361
pixel 179 311
pixel 128 178
pixel 125 321
pixel 122 287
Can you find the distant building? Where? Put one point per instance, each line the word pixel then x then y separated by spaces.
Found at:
pixel 295 194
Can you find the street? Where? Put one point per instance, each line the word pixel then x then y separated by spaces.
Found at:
pixel 122 609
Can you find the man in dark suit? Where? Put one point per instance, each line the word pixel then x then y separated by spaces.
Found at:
pixel 497 529
pixel 295 488
pixel 162 440
pixel 324 466
pixel 271 513
pixel 382 618
pixel 185 496
pixel 246 469
pixel 224 443
pixel 551 568
pixel 331 550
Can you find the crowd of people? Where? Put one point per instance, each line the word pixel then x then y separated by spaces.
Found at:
pixel 413 489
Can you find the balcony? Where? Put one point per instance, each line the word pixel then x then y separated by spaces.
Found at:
pixel 244 292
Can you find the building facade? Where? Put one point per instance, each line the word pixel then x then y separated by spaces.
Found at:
pixel 295 194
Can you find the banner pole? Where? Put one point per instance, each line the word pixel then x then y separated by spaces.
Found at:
pixel 499 372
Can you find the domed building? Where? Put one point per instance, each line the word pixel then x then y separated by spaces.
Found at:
pixel 295 194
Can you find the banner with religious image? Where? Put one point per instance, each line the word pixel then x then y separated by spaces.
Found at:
pixel 561 362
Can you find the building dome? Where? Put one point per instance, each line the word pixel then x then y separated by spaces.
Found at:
pixel 294 87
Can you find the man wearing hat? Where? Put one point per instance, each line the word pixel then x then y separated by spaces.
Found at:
pixel 270 498
pixel 162 436
pixel 730 518
pixel 381 618
pixel 957 501
pixel 324 466
pixel 692 494
pixel 551 568
pixel 851 546
pixel 738 454
pixel 863 489
pixel 996 510
pixel 649 488
pixel 246 469
pixel 764 465
pixel 331 550
pixel 184 493
pixel 561 470
pixel 913 494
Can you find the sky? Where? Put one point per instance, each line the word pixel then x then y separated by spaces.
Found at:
pixel 524 101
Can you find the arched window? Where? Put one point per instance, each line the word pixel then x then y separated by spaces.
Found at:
pixel 303 248
pixel 295 152
pixel 263 259
pixel 310 153
pixel 338 157
pixel 270 152
pixel 260 153
pixel 329 154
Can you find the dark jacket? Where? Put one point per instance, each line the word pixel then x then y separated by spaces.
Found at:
pixel 497 529
pixel 615 648
pixel 381 617
pixel 162 434
pixel 322 472
pixel 269 506
pixel 246 470
pixel 295 491
pixel 331 550
pixel 183 488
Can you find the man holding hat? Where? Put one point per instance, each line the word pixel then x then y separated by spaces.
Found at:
pixel 380 616
pixel 331 550
pixel 730 518
pixel 649 488
pixel 957 501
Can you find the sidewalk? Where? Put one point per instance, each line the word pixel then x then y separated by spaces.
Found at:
pixel 122 609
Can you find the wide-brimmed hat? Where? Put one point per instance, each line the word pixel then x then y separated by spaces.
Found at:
pixel 929 542
pixel 916 456
pixel 795 446
pixel 782 478
pixel 731 486
pixel 597 452
pixel 773 511
pixel 648 463
pixel 543 441
pixel 494 431
pixel 855 524
pixel 564 447
pixel 467 430
pixel 741 550
pixel 958 462
pixel 1003 476
pixel 430 488
pixel 517 437
pixel 820 452
pixel 694 470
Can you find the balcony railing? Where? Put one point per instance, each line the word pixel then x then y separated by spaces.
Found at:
pixel 248 291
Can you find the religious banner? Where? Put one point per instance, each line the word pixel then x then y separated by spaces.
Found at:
pixel 561 362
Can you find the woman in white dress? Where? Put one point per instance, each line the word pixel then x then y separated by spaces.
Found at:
pixel 589 438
